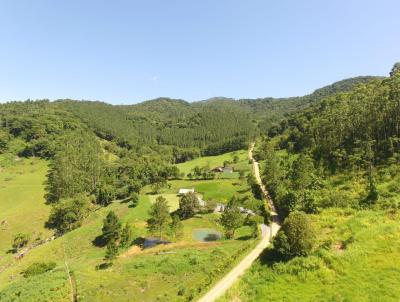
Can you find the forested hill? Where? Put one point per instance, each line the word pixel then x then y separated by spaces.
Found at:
pixel 269 111
pixel 185 129
pixel 354 133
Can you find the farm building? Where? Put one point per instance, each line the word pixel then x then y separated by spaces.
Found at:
pixel 223 169
pixel 183 191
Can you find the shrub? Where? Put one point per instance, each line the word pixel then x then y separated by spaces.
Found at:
pixel 297 236
pixel 20 240
pixel 68 214
pixel 38 268
pixel 134 199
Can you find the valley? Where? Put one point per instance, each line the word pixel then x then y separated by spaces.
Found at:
pixel 168 200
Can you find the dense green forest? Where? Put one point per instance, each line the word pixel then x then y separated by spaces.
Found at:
pixel 174 128
pixel 355 131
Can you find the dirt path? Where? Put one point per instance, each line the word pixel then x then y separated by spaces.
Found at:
pixel 268 232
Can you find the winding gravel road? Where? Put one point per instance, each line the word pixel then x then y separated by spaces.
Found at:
pixel 267 233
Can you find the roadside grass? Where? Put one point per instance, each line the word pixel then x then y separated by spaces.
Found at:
pixel 357 260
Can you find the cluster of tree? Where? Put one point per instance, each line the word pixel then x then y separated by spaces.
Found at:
pixel 79 175
pixel 115 236
pixel 68 213
pixel 188 129
pixel 291 185
pixel 231 218
pixel 352 129
pixel 32 128
pixel 201 173
pixel 161 222
pixel 254 186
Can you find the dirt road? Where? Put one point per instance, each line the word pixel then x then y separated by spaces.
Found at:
pixel 267 232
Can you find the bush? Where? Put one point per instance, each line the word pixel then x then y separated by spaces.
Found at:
pixel 68 214
pixel 38 268
pixel 297 236
pixel 134 199
pixel 209 207
pixel 256 219
pixel 105 194
pixel 20 240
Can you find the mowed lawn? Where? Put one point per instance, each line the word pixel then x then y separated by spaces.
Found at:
pixel 220 190
pixel 172 199
pixel 217 161
pixel 22 203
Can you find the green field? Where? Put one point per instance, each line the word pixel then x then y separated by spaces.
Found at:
pixel 140 276
pixel 172 198
pixel 22 205
pixel 357 259
pixel 217 161
pixel 185 271
pixel 357 253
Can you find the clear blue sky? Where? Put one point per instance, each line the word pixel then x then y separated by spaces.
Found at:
pixel 130 51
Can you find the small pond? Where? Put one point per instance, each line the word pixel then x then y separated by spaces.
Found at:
pixel 206 235
pixel 150 242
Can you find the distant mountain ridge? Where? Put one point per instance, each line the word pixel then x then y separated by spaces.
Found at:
pixel 211 126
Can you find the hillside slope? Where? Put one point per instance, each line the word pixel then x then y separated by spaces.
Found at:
pixel 336 166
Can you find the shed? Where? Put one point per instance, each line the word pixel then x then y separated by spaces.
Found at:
pixel 227 169
pixel 183 191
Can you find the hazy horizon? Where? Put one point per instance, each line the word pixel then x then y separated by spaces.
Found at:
pixel 172 98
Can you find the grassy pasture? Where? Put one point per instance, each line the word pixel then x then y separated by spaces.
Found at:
pixel 172 199
pixel 219 189
pixel 218 160
pixel 142 276
pixel 183 272
pixel 22 205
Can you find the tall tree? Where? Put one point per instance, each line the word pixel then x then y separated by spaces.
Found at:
pixel 76 166
pixel 231 218
pixel 176 227
pixel 126 236
pixel 111 228
pixel 188 205
pixel 111 252
pixel 159 216
pixel 297 236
